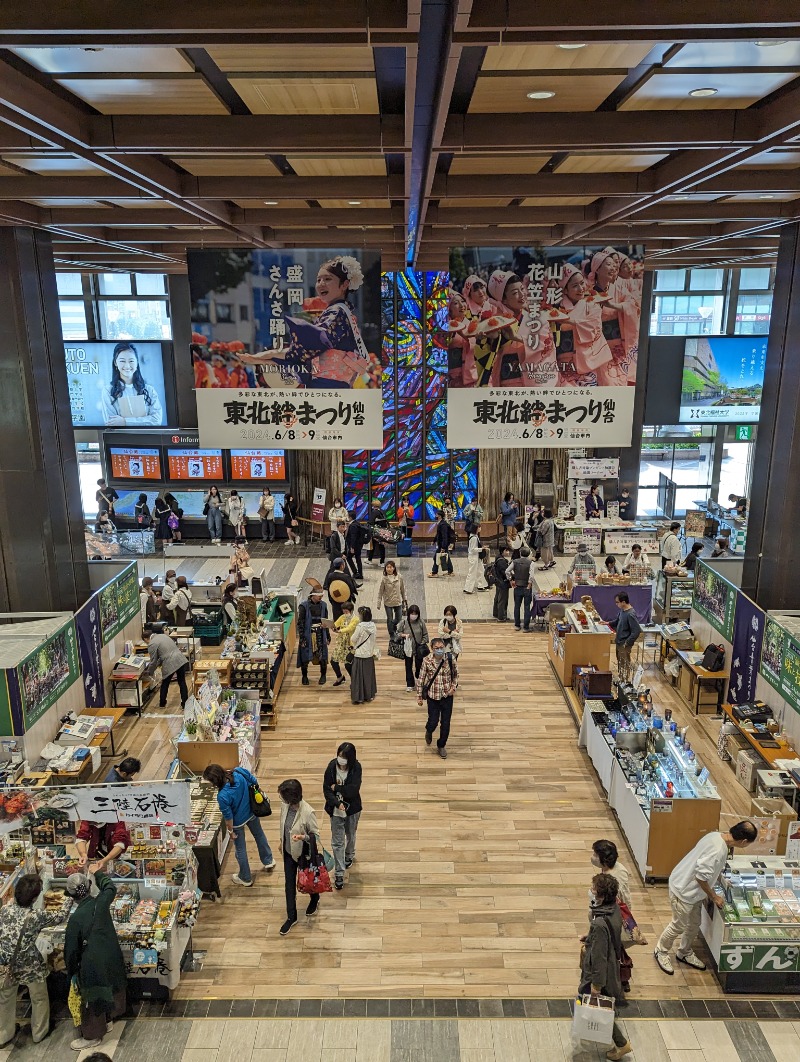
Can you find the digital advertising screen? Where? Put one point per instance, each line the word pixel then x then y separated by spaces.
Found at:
pixel 194 464
pixel 723 377
pixel 258 464
pixel 129 462
pixel 116 385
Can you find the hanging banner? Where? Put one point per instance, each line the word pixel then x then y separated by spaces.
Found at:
pixel 288 325
pixel 772 652
pixel 6 720
pixel 90 647
pixel 790 671
pixel 318 505
pixel 748 633
pixel 715 599
pixel 48 672
pixel 542 347
pixel 296 420
pixel 593 468
pixel 119 602
pixel 133 802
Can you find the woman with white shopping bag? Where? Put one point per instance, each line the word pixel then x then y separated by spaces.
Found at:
pixel 600 957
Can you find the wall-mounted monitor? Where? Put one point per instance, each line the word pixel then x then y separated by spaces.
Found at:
pixel 189 464
pixel 135 463
pixel 258 465
pixel 116 385
pixel 723 377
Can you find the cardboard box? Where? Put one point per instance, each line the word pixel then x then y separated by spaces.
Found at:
pixel 777 816
pixel 747 763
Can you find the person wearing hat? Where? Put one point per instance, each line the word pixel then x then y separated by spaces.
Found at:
pixel 583 567
pixel 93 956
pixel 340 587
pixel 620 313
pixel 312 641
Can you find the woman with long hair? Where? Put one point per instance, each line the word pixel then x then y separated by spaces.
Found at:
pixel 129 400
pixel 291 520
pixel 363 684
pixel 233 798
pixel 212 510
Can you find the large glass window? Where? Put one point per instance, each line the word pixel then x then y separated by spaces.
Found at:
pixel 73 318
pixel 134 319
pixel 684 455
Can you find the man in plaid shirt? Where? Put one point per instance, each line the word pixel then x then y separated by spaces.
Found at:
pixel 437 682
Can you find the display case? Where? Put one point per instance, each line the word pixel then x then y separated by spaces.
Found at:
pixel 663 797
pixel 672 599
pixel 567 649
pixel 228 732
pixel 755 937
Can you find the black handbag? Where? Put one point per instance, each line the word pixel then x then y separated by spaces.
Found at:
pixel 396 649
pixel 713 658
pixel 410 521
pixel 259 802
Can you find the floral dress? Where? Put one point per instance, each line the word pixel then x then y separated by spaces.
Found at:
pixel 29 965
pixel 343 628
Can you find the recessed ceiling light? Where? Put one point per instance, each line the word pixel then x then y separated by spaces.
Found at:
pixel 571 47
pixel 767 195
pixel 354 202
pixel 270 202
pixel 769 44
pixel 680 197
pixel 543 95
pixel 704 92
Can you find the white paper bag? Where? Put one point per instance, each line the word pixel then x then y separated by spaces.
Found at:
pixel 593 1020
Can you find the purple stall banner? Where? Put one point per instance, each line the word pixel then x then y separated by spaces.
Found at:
pixel 90 646
pixel 748 632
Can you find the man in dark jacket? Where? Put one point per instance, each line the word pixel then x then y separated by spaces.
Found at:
pixel 501 587
pixel 377 519
pixel 519 575
pixel 444 542
pixel 628 630
pixel 356 537
pixel 337 542
pixel 339 574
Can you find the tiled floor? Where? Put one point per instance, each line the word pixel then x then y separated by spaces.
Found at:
pixel 423 1039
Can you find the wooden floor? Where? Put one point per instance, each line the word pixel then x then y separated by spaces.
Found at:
pixel 472 874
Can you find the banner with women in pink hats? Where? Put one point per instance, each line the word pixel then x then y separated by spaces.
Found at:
pixel 542 346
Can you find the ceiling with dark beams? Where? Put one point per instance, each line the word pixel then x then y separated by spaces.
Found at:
pixel 132 132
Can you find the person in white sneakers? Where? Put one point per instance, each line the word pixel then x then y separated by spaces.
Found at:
pixel 476 580
pixel 233 798
pixel 691 883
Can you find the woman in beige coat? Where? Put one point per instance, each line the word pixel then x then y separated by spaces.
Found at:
pixel 298 822
pixel 392 594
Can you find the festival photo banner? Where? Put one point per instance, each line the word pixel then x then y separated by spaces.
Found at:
pixel 543 346
pixel 275 334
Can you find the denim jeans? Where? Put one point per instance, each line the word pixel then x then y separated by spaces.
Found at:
pixel 343 840
pixel 240 847
pixel 522 594
pixel 394 613
pixel 214 521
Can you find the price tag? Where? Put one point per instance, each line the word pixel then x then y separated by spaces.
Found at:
pixel 155 883
pixel 761 879
pixel 664 806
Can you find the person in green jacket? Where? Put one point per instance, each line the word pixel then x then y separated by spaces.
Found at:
pixel 93 956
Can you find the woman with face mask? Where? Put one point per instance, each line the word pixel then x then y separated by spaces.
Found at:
pixel 600 957
pixel 451 629
pixel 604 858
pixel 341 788
pixel 414 632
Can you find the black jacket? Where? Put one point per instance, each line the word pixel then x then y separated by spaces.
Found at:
pixel 500 565
pixel 377 517
pixel 345 577
pixel 350 791
pixel 356 536
pixel 445 536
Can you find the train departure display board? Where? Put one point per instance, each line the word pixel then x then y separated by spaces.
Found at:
pixel 186 464
pixel 258 464
pixel 129 462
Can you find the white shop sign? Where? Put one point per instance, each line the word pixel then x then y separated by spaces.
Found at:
pixel 592 536
pixel 135 802
pixel 624 541
pixel 593 468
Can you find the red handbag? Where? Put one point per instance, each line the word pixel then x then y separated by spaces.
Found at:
pixel 312 876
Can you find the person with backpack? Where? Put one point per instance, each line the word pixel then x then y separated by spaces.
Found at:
pixel 356 537
pixel 141 514
pixel 444 543
pixel 161 512
pixel 473 514
pixel 436 683
pixel 233 797
pixel 498 578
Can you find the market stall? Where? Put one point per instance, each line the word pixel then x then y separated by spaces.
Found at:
pixel 578 640
pixel 605 536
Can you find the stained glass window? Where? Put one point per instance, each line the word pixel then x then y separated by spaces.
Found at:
pixel 414 459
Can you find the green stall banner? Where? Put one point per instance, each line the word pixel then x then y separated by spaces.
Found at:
pixel 48 672
pixel 119 602
pixel 715 599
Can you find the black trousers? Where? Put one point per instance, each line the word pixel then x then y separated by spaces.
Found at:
pixel 290 867
pixel 413 665
pixel 180 678
pixel 500 608
pixel 323 669
pixel 378 547
pixel 439 714
pixel 354 563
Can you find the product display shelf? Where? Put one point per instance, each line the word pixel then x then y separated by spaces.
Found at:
pixel 233 738
pixel 567 649
pixel 755 937
pixel 258 658
pixel 207 833
pixel 672 599
pixel 664 807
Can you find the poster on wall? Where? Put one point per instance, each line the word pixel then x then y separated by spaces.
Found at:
pixel 790 672
pixel 90 647
pixel 116 385
pixel 287 347
pixel 119 602
pixel 47 673
pixel 715 599
pixel 772 652
pixel 748 633
pixel 543 346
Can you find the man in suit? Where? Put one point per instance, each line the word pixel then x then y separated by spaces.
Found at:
pixel 355 539
pixel 337 542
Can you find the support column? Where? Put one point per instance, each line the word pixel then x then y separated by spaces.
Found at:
pixel 43 563
pixel 180 308
pixel 771 572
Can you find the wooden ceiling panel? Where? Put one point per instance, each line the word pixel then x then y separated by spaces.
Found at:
pixel 509 94
pixel 237 166
pixel 670 92
pixel 456 203
pixel 466 164
pixel 346 204
pixel 308 95
pixel 105 60
pixel 268 57
pixel 564 200
pixel 309 166
pixel 608 163
pixel 551 57
pixel 142 96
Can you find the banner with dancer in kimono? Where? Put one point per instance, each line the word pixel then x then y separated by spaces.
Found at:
pixel 543 346
pixel 286 323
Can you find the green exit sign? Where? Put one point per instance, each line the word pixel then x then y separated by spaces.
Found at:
pixel 744 432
